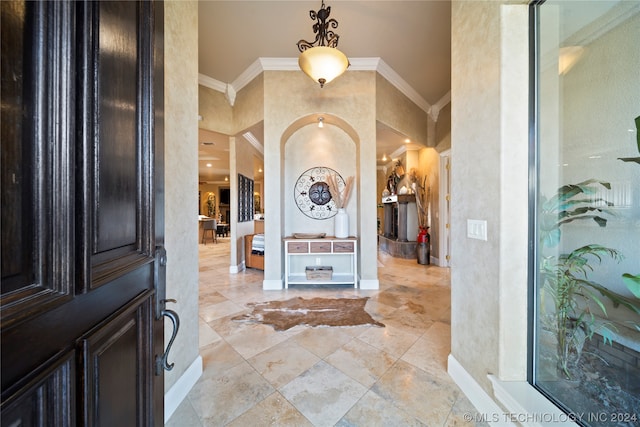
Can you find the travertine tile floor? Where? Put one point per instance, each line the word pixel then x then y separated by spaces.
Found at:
pixel 351 376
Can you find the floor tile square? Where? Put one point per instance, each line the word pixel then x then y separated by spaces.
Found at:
pixel 323 394
pixel 361 361
pixel 283 362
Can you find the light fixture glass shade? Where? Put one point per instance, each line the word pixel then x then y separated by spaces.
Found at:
pixel 323 63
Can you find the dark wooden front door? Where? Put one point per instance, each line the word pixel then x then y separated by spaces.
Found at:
pixel 82 288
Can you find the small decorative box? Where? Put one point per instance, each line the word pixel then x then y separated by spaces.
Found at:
pixel 319 272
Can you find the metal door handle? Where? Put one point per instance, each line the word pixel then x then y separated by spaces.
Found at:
pixel 162 361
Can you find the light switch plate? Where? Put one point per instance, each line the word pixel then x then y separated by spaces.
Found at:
pixel 477 229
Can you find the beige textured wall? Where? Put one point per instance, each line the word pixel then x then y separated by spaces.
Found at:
pixel 489 182
pixel 311 147
pixel 217 114
pixel 394 109
pixel 443 129
pixel 430 168
pixel 249 106
pixel 248 110
pixel 181 179
pixel 289 98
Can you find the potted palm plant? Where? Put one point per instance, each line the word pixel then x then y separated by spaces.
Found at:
pixel 570 302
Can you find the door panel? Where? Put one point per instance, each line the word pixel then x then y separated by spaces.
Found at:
pixel 116 201
pixel 49 399
pixel 37 159
pixel 82 288
pixel 117 380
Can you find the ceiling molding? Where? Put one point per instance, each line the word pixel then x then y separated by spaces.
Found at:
pixel 252 71
pixel 279 64
pixel 398 152
pixel 291 64
pixel 394 78
pixel 611 19
pixel 434 111
pixel 364 64
pixel 212 83
pixel 254 141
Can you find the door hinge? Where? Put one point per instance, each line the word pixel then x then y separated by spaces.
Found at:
pixel 448 258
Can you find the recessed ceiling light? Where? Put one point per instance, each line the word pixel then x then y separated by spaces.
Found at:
pixel 209 165
pixel 407 140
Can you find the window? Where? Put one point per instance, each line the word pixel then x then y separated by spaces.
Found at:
pixel 586 257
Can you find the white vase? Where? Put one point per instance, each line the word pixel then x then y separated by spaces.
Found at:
pixel 341 224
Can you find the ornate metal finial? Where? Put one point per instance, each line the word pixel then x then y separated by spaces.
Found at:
pixel 324 35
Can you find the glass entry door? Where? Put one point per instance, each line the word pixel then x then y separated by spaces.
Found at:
pixel 586 320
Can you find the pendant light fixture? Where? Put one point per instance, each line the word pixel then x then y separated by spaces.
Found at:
pixel 321 60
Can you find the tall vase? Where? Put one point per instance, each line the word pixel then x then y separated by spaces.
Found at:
pixel 341 224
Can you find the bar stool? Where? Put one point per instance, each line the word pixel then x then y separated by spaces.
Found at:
pixel 211 226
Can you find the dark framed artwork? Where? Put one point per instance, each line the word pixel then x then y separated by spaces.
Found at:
pixel 245 199
pixel 312 195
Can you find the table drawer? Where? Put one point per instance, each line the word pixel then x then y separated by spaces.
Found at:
pixel 343 247
pixel 297 247
pixel 320 247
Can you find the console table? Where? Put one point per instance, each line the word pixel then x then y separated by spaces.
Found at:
pixel 340 254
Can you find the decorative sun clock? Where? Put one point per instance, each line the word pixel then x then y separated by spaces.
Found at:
pixel 312 195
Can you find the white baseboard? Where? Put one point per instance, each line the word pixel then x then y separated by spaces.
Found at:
pixel 369 284
pixel 272 285
pixel 529 407
pixel 176 394
pixel 235 269
pixel 487 408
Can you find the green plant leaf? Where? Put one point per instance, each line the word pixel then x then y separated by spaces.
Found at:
pixel 634 159
pixel 607 335
pixel 563 208
pixel 630 159
pixel 570 203
pixel 633 283
pixel 594 297
pixel 617 299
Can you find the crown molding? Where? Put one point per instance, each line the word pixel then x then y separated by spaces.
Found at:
pixel 603 24
pixel 434 111
pixel 279 64
pixel 398 152
pixel 394 78
pixel 291 64
pixel 212 83
pixel 254 141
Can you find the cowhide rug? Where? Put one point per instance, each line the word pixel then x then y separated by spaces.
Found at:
pixel 283 315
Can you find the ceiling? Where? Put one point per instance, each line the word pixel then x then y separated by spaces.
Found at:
pixel 412 37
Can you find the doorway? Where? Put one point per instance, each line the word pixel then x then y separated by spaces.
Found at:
pixel 445 209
